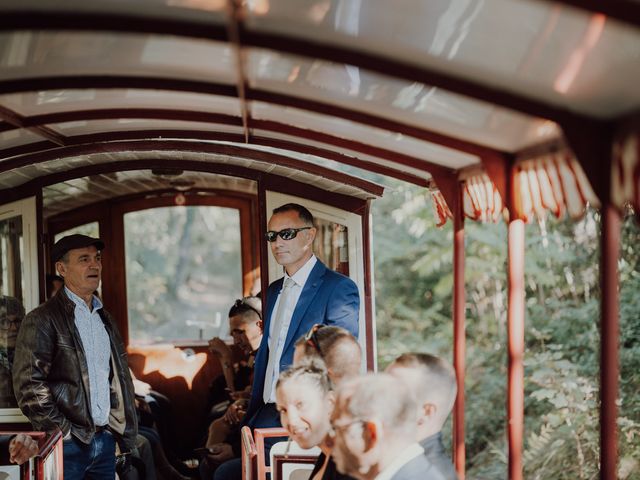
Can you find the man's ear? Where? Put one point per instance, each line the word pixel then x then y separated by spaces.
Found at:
pixel 311 235
pixel 59 266
pixel 429 409
pixel 371 432
pixel 260 325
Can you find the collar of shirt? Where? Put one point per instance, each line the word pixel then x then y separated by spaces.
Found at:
pixel 301 276
pixel 400 461
pixel 95 301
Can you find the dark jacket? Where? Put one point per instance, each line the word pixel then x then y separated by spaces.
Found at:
pixel 4 449
pixel 51 378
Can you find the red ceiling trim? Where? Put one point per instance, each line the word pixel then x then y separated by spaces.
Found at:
pixel 17 121
pixel 62 82
pixel 367 149
pixel 269 125
pixel 341 158
pixel 230 137
pixel 304 190
pixel 268 180
pixel 114 22
pixel 172 84
pixel 191 146
pixel 23 150
pixel 134 113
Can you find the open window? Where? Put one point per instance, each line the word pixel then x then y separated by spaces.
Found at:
pixel 18 290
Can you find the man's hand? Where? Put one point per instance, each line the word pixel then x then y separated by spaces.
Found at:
pixel 235 412
pixel 21 448
pixel 220 452
pixel 219 348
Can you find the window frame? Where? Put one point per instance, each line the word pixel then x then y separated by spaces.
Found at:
pixel 110 217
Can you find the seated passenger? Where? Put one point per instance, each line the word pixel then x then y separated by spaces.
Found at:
pixel 154 421
pixel 305 401
pixel 374 424
pixel 17 448
pixel 223 437
pixel 433 382
pixel 341 354
pixel 245 325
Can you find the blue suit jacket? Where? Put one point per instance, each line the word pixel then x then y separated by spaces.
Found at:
pixel 327 297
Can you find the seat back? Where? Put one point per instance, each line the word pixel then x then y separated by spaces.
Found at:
pixel 48 462
pixel 289 461
pixel 259 434
pixel 249 455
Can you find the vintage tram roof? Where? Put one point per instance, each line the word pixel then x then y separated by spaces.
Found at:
pixel 416 90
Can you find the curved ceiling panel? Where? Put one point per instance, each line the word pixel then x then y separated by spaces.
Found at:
pixel 56 101
pixel 556 53
pixel 429 152
pixel 75 193
pixel 88 127
pixel 59 161
pixel 400 100
pixel 29 54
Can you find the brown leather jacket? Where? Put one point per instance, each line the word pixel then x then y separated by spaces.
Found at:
pixel 51 379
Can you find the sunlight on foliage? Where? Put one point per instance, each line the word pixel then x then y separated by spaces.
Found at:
pixel 413 263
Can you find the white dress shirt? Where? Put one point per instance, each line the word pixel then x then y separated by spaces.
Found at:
pixel 278 339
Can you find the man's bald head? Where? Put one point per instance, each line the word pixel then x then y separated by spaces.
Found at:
pixel 374 421
pixel 433 382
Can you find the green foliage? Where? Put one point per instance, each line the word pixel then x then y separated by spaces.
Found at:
pixel 414 298
pixel 183 271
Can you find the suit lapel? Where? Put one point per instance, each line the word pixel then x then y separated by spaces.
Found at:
pixel 307 295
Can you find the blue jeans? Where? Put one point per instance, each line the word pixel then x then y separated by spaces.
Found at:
pixel 96 460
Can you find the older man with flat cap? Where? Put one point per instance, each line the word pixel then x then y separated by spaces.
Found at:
pixel 70 368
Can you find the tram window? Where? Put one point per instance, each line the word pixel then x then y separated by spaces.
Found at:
pixel 183 272
pixel 332 245
pixel 91 229
pixel 11 301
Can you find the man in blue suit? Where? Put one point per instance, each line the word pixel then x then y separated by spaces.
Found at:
pixel 309 293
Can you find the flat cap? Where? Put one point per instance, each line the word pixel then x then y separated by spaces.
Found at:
pixel 71 242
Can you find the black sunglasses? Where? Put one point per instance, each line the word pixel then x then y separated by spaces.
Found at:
pixel 285 234
pixel 312 339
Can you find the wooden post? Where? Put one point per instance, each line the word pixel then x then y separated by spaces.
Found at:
pixel 609 335
pixel 515 329
pixel 459 333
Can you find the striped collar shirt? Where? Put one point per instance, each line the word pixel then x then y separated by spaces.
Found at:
pixel 97 351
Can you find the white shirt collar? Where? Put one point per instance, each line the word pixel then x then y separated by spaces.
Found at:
pixel 400 461
pixel 301 276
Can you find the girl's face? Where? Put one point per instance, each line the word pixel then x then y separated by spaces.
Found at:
pixel 305 410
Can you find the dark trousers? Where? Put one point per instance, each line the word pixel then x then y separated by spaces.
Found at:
pixel 94 461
